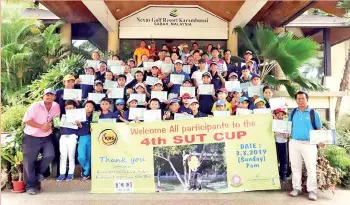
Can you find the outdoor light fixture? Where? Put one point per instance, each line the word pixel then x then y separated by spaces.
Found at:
pixel 117 10
pixel 228 12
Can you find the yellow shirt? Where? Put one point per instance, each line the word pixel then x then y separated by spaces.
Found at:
pixel 228 107
pixel 139 52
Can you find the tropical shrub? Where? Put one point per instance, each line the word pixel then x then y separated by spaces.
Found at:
pixel 343 133
pixel 11 118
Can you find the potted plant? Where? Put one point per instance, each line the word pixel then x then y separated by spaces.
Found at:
pixel 18 186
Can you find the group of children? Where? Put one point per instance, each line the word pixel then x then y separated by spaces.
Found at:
pixel 198 105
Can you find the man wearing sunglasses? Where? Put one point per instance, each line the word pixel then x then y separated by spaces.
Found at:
pixel 38 121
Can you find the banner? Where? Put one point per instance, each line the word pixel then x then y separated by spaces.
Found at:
pixel 218 154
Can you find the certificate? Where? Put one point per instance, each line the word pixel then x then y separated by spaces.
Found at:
pixel 148 65
pixel 221 113
pixel 277 103
pixel 262 111
pixel 92 63
pixel 186 69
pixel 254 90
pixel 136 112
pixel 116 93
pixel 114 62
pixel 107 120
pixel 241 111
pixel 117 69
pixel 109 84
pixel 66 124
pixel 151 80
pixel 87 79
pixel 323 136
pixel 282 126
pixel 152 115
pixel 141 98
pixel 231 85
pixel 96 97
pixel 167 68
pixel 245 86
pixel 134 70
pixel 160 95
pixel 189 90
pixel 76 114
pixel 180 116
pixel 177 79
pixel 206 89
pixel 72 94
pixel 172 96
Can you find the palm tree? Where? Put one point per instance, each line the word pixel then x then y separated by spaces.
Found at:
pixel 284 50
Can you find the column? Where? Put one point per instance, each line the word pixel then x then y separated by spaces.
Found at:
pixel 113 41
pixel 232 42
pixel 66 34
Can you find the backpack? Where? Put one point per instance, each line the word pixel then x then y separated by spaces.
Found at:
pixel 312 117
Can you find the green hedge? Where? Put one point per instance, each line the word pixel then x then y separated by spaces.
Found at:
pixel 11 118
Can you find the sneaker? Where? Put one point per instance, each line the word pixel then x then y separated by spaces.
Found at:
pixel 312 196
pixel 32 191
pixel 84 178
pixel 40 177
pixel 38 186
pixel 69 177
pixel 295 193
pixel 61 178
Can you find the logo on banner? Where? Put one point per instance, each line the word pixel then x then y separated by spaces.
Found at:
pixel 173 13
pixel 108 137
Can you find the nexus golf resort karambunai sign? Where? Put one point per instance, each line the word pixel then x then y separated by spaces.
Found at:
pixel 173 23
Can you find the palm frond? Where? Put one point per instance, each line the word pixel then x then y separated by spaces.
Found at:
pixel 245 39
pixel 265 37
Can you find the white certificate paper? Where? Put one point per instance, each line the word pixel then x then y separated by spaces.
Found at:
pixel 72 94
pixel 276 103
pixel 221 113
pixel 282 126
pixel 262 111
pixel 189 90
pixel 180 116
pixel 96 97
pixel 116 93
pixel 87 79
pixel 177 79
pixel 167 68
pixel 92 63
pixel 76 114
pixel 151 80
pixel 206 89
pixel 136 112
pixel 172 96
pixel 245 86
pixel 254 90
pixel 109 84
pixel 114 62
pixel 106 120
pixel 323 136
pixel 186 69
pixel 66 124
pixel 160 95
pixel 117 69
pixel 141 98
pixel 231 85
pixel 241 111
pixel 152 115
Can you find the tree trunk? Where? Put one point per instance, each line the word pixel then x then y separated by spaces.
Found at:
pixel 344 83
pixel 177 173
pixel 158 177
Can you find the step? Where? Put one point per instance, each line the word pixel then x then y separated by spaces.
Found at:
pixel 63 186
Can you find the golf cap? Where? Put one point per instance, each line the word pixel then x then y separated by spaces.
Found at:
pixel 259 100
pixel 194 100
pixel 119 102
pixel 155 67
pixel 206 74
pixel 187 80
pixel 280 110
pixel 220 103
pixel 185 46
pixel 242 99
pixel 213 63
pixel 186 96
pixel 233 74
pixel 98 82
pixel 178 61
pixel 224 90
pixel 132 99
pixel 238 90
pixel 158 82
pixel 49 91
pixel 138 85
pixel 102 62
pixel 68 77
pixel 174 100
pixel 255 76
pixel 248 52
pixel 201 60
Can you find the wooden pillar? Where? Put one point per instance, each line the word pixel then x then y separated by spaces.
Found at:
pixel 113 40
pixel 66 34
pixel 232 42
pixel 327 65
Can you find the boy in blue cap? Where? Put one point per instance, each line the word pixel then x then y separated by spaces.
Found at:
pixel 243 103
pixel 119 110
pixel 174 107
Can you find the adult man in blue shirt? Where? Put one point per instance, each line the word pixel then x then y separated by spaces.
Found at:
pixel 300 148
pixel 175 88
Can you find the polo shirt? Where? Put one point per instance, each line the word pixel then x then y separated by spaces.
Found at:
pixel 184 109
pixel 216 81
pixel 231 68
pixel 301 124
pixel 200 114
pixel 241 80
pixel 197 75
pixel 205 103
pixel 228 107
pixel 38 113
pixel 85 127
pixel 221 65
pixel 176 88
pixel 100 76
pixel 139 52
pixel 109 115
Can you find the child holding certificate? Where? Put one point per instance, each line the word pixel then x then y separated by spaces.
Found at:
pixel 243 103
pixel 206 101
pixel 68 82
pixel 140 88
pixel 84 146
pixel 194 106
pixel 222 95
pixel 105 109
pixel 267 95
pixel 86 89
pixel 132 103
pixel 259 103
pixel 174 107
pixel 185 106
pixel 281 147
pixel 236 94
pixel 119 107
pixel 68 143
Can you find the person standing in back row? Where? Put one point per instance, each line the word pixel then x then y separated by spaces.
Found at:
pixel 141 51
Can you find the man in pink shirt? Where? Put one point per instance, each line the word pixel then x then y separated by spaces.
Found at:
pixel 38 121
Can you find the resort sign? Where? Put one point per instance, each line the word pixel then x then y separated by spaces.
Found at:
pixel 174 23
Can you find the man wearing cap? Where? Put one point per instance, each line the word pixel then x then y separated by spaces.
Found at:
pixel 197 75
pixel 221 64
pixel 141 51
pixel 37 139
pixel 184 51
pixel 229 64
pixel 248 55
pixel 175 88
pixel 100 74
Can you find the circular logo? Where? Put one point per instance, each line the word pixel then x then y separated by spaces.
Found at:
pixel 236 180
pixel 108 137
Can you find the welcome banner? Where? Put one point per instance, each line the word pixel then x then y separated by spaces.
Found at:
pixel 221 154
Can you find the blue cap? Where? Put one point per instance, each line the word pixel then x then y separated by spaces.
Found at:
pixel 242 99
pixel 49 90
pixel 220 103
pixel 255 76
pixel 237 90
pixel 174 100
pixel 119 102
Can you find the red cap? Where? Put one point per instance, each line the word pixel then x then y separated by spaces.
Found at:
pixel 223 90
pixel 280 110
pixel 186 96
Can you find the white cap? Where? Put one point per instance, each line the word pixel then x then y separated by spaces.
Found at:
pixel 139 84
pixel 178 61
pixel 158 82
pixel 131 99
